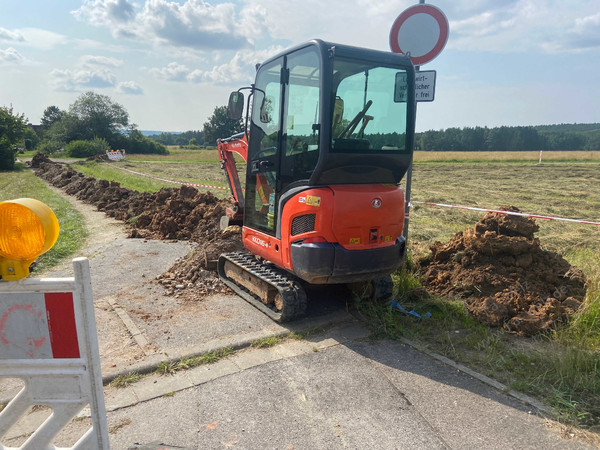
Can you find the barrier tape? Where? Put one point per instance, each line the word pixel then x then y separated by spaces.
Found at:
pixel 175 182
pixel 406 216
pixel 511 213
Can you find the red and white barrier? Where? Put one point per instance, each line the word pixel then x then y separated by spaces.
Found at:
pixel 510 213
pixel 48 339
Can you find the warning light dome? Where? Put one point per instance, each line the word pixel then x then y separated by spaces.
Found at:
pixel 28 228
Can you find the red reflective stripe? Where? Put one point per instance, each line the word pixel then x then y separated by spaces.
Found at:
pixel 61 324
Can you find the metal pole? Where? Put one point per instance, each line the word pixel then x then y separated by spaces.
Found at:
pixel 409 178
pixel 409 175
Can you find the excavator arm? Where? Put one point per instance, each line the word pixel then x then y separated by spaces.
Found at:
pixel 237 143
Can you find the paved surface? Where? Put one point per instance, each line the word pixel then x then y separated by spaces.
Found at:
pixel 331 390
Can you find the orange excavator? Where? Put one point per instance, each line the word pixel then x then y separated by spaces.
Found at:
pixel 329 136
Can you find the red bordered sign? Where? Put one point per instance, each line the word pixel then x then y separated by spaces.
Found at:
pixel 420 31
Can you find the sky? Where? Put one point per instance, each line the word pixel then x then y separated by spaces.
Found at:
pixel 170 63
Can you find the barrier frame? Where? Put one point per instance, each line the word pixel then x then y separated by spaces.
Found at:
pixel 73 381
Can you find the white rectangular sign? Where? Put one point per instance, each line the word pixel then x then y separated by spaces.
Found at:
pixel 117 155
pixel 424 86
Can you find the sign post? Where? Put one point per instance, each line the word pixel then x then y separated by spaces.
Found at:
pixel 420 32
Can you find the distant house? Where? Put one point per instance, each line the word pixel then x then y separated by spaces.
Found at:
pixel 36 128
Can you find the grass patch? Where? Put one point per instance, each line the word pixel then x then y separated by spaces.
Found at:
pixel 148 174
pixel 22 183
pixel 171 367
pixel 125 380
pixel 266 342
pixel 110 172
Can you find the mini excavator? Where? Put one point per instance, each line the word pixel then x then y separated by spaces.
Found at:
pixel 329 136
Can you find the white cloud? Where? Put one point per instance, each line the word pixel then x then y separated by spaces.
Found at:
pixel 581 33
pixel 7 35
pixel 240 69
pixel 94 61
pixel 129 87
pixel 10 56
pixel 103 12
pixel 42 39
pixel 77 80
pixel 194 23
pixel 173 72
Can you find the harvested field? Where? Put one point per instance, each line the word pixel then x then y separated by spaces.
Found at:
pixel 504 276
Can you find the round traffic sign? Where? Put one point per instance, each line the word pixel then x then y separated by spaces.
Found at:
pixel 421 32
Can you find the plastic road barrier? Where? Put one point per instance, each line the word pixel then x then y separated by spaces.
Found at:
pixel 48 339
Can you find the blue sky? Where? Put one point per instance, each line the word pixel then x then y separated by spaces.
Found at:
pixel 169 63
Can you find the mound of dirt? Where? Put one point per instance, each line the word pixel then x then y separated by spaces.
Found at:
pixel 172 213
pixel 503 274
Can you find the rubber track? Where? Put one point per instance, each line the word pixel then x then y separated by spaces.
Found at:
pixel 292 293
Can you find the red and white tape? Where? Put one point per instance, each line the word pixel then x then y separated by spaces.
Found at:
pixel 511 213
pixel 174 182
pixel 406 216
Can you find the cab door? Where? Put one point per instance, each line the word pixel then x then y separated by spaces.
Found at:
pixel 264 149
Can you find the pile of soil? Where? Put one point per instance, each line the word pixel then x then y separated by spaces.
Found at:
pixel 504 276
pixel 172 213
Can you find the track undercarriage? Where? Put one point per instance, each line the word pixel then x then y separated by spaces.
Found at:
pixel 273 291
pixel 278 293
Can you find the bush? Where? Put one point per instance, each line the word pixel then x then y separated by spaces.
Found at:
pixel 80 149
pixel 50 147
pixel 100 145
pixel 138 143
pixel 7 155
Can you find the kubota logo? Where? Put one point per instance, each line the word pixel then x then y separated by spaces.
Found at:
pixel 376 203
pixel 260 242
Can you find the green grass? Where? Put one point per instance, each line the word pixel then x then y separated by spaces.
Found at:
pixel 269 341
pixel 23 183
pixel 171 367
pixel 147 173
pixel 125 380
pixel 105 171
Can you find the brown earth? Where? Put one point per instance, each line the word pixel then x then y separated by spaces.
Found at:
pixel 504 276
pixel 172 213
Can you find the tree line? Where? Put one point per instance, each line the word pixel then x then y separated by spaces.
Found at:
pixel 93 124
pixel 544 137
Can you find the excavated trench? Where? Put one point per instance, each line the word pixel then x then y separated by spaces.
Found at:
pixel 497 267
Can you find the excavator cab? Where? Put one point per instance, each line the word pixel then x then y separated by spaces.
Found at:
pixel 329 137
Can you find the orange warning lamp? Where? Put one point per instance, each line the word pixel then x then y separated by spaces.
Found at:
pixel 28 228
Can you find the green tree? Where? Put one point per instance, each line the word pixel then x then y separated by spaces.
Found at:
pixel 220 126
pixel 12 130
pixel 98 116
pixel 31 139
pixel 52 114
pixel 138 143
